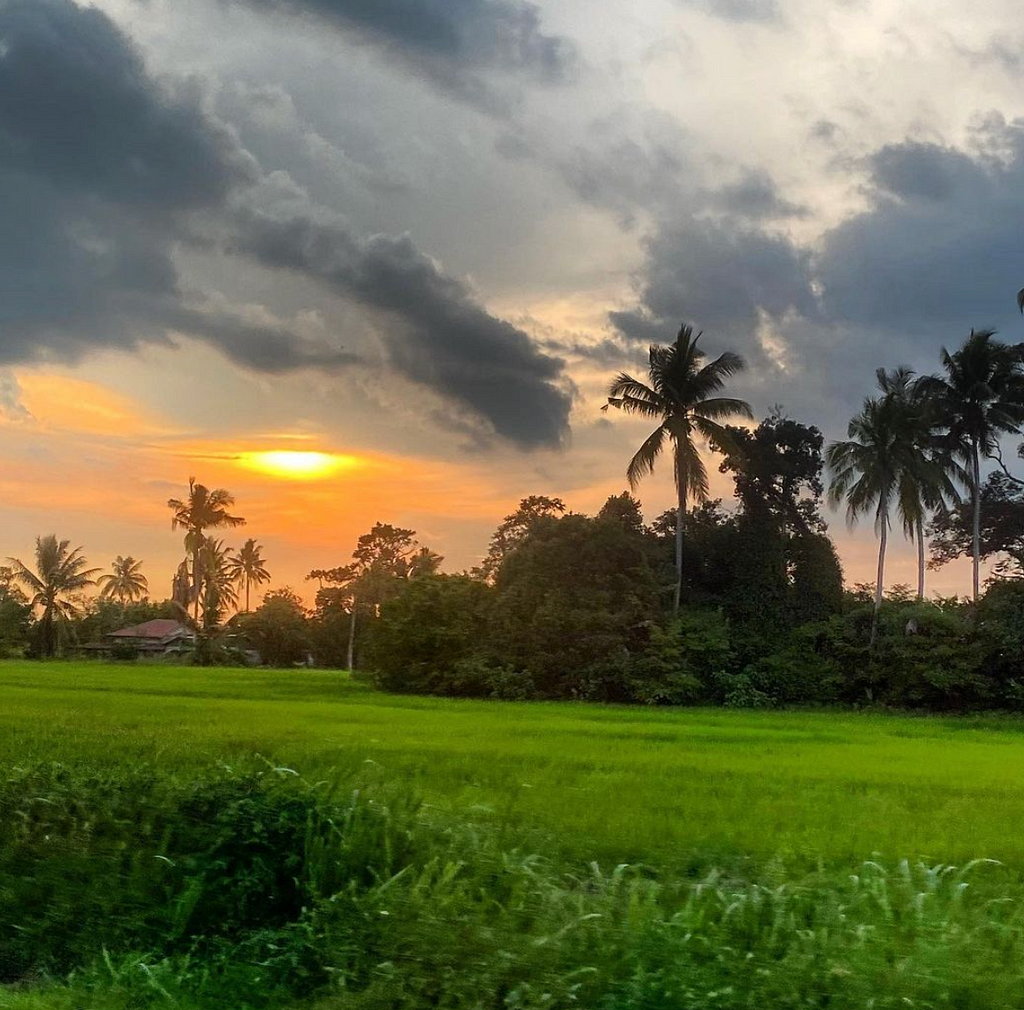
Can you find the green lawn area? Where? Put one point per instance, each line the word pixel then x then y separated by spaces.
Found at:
pixel 666 787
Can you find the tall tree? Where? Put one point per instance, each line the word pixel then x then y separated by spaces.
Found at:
pixel 681 394
pixel 926 470
pixel 59 572
pixel 382 560
pixel 780 550
pixel 515 528
pixel 203 509
pixel 424 562
pixel 865 473
pixel 248 567
pixel 125 582
pixel 981 398
pixel 1002 527
pixel 219 581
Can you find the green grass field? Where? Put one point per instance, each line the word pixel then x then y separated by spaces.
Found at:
pixel 610 783
pixel 468 855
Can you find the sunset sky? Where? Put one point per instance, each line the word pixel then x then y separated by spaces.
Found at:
pixel 419 236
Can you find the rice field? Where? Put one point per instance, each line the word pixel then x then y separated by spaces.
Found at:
pixel 666 787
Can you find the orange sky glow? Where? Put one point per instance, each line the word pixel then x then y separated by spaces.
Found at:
pixel 92 464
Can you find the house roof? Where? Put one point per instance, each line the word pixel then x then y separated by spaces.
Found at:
pixel 159 630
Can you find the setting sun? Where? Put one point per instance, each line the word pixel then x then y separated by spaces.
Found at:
pixel 295 464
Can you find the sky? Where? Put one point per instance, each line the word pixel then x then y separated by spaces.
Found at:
pixel 420 236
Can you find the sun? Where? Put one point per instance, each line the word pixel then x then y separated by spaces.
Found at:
pixel 296 465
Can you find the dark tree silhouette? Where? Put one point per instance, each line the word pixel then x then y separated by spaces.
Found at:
pixel 682 396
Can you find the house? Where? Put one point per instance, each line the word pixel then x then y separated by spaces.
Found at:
pixel 153 638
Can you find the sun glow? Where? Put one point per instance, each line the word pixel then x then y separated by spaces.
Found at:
pixel 297 465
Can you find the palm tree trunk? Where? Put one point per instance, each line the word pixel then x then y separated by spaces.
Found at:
pixel 680 518
pixel 880 580
pixel 247 592
pixel 196 581
pixel 352 637
pixel 49 645
pixel 920 559
pixel 976 518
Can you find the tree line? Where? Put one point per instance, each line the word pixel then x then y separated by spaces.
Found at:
pixel 703 604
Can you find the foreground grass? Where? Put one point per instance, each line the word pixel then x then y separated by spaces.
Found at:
pixel 671 787
pixel 470 855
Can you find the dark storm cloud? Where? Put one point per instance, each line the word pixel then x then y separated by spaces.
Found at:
pixel 940 250
pixel 456 44
pixel 103 174
pixel 435 333
pixel 98 172
pixel 718 275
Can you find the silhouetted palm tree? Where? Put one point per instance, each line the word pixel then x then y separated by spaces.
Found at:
pixel 424 562
pixel 865 472
pixel 680 395
pixel 59 572
pixel 202 510
pixel 980 398
pixel 248 567
pixel 125 583
pixel 925 472
pixel 218 588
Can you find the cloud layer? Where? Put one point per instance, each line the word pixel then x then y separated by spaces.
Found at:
pixel 107 178
pixel 458 45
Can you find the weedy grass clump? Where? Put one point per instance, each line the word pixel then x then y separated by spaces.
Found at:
pixel 252 887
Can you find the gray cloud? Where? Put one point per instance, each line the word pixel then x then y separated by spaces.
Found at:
pixel 456 44
pixel 11 407
pixel 939 250
pixel 738 10
pixel 435 332
pixel 754 196
pixel 104 176
pixel 720 276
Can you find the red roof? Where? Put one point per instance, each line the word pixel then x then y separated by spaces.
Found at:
pixel 159 629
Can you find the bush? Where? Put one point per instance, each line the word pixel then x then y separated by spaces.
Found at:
pixel 794 675
pixel 434 624
pixel 682 663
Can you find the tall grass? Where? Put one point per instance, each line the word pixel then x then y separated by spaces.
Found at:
pixel 408 853
pixel 258 888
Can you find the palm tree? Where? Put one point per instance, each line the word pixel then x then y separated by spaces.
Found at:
pixel 925 471
pixel 865 473
pixel 424 562
pixel 202 510
pixel 681 396
pixel 980 398
pixel 125 583
pixel 218 587
pixel 59 572
pixel 248 567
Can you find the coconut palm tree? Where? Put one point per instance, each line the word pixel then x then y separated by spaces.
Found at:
pixel 424 562
pixel 865 472
pixel 248 567
pixel 203 509
pixel 219 581
pixel 980 398
pixel 125 583
pixel 59 572
pixel 925 471
pixel 682 397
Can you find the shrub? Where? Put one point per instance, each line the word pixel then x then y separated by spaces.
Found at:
pixel 683 662
pixel 432 625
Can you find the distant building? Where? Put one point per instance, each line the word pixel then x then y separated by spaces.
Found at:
pixel 153 638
